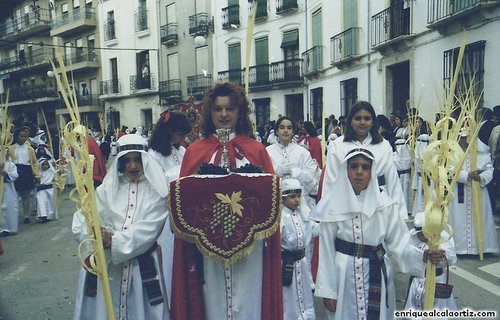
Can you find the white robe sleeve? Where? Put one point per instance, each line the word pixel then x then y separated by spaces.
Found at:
pixel 326 282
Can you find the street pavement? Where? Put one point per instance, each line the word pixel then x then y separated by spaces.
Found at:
pixel 38 273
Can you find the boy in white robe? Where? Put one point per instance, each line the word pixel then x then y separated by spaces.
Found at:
pixel 416 292
pixel 45 192
pixel 296 232
pixel 358 224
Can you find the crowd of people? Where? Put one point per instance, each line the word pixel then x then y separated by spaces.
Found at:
pixel 343 211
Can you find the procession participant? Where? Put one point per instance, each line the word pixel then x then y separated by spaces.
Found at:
pixel 132 208
pixel 23 155
pixel 165 147
pixel 402 160
pixel 296 232
pixel 416 291
pixel 355 275
pixel 417 184
pixel 45 192
pixel 361 131
pixel 8 171
pixel 309 139
pixel 461 208
pixel 249 288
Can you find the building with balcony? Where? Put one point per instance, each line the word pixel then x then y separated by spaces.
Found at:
pixel 25 60
pixel 129 60
pixel 399 53
pixel 74 29
pixel 276 66
pixel 186 50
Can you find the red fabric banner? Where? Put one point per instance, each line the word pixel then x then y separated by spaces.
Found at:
pixel 224 215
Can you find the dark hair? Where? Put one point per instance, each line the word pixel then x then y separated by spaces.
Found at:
pixel 238 98
pixel 280 120
pixel 122 161
pixel 18 131
pixel 350 135
pixel 161 137
pixel 309 128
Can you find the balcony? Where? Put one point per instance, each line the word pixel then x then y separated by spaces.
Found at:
pixel 168 34
pixel 170 90
pixel 138 82
pixel 30 60
pixel 281 74
pixel 109 87
pixel 442 13
pixel 141 20
pixel 231 17
pixel 84 101
pixel 198 84
pixel 283 6
pixel 78 20
pixel 28 24
pixel 109 31
pixel 33 93
pixel 199 24
pixel 261 12
pixel 80 60
pixel 345 47
pixel 392 27
pixel 312 61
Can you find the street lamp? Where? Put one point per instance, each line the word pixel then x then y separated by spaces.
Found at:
pixel 204 26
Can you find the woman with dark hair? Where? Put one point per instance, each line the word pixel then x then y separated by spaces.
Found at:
pixel 249 288
pixel 165 147
pixel 361 131
pixel 309 139
pixel 385 129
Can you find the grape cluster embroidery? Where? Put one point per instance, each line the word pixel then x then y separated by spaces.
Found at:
pixel 226 212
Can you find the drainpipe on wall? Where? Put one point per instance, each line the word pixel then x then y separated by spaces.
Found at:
pixel 306 32
pixel 368 32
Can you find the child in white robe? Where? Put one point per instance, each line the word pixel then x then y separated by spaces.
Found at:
pixel 358 225
pixel 416 292
pixel 10 212
pixel 296 232
pixel 45 192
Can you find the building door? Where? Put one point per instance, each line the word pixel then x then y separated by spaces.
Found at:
pixel 262 111
pixel 348 95
pixel 294 106
pixel 398 77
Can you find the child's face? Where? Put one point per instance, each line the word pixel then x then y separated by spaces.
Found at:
pixel 22 137
pixel 359 170
pixel 45 165
pixel 292 201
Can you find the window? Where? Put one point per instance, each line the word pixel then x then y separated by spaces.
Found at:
pixel 262 111
pixel 76 3
pixel 350 13
pixel 171 15
pixel 348 95
pixel 317 31
pixel 64 8
pixel 290 45
pixel 262 60
pixel 79 50
pixel 234 62
pixel 109 26
pixel 471 72
pixel 317 104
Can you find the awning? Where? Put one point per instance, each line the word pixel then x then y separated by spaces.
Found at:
pixel 290 39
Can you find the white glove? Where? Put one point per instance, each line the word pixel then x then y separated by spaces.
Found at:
pixel 283 170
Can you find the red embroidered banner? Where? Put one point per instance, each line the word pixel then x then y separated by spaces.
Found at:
pixel 224 215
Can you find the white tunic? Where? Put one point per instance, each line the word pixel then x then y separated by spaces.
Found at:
pixel 296 232
pixel 420 146
pixel 416 292
pixel 461 215
pixel 402 160
pixel 136 216
pixel 382 152
pixel 345 278
pixel 9 206
pixel 45 199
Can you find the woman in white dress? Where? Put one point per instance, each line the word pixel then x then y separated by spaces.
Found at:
pixel 361 131
pixel 165 147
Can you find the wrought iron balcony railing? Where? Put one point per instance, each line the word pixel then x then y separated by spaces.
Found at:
pixel 79 55
pixel 231 16
pixel 32 20
pixel 198 84
pixel 261 12
pixel 27 59
pixel 392 23
pixel 110 86
pixel 170 89
pixel 109 30
pixel 77 14
pixel 33 93
pixel 312 60
pixel 283 6
pixel 141 20
pixel 138 82
pixel 199 24
pixel 345 45
pixel 438 10
pixel 168 33
pixel 84 101
pixel 233 75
